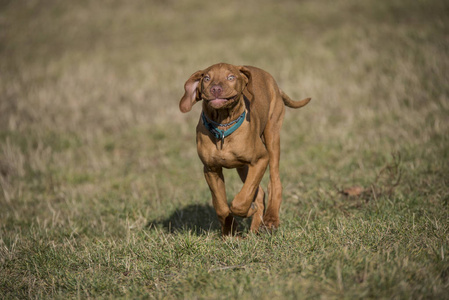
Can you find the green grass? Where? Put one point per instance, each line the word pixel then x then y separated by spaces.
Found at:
pixel 102 192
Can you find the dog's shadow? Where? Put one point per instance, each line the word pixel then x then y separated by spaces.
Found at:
pixel 197 218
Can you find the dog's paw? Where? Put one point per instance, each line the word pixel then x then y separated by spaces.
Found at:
pixel 230 226
pixel 269 225
pixel 269 230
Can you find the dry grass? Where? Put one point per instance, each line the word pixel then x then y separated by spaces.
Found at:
pixel 93 150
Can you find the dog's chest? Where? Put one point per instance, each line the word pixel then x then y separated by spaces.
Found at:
pixel 231 154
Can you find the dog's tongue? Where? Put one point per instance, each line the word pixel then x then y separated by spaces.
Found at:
pixel 218 101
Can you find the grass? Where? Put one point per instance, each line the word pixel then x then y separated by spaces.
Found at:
pixel 102 192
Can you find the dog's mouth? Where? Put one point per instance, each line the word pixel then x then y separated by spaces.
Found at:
pixel 220 102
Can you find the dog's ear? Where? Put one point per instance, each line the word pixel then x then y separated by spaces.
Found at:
pixel 192 93
pixel 246 74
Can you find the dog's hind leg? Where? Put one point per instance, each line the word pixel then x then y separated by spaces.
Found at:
pixel 272 143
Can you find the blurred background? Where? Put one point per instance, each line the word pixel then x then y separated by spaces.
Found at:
pixel 91 138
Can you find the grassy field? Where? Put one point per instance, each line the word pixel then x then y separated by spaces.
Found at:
pixel 102 193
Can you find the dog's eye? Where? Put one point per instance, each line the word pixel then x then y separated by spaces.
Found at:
pixel 231 77
pixel 206 78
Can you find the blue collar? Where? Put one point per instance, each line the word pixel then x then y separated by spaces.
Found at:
pixel 221 134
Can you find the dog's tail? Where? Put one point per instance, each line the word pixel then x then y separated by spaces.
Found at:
pixel 291 103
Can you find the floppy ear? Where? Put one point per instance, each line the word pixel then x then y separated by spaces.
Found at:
pixel 192 92
pixel 246 74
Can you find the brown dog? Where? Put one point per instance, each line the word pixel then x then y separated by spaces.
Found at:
pixel 239 127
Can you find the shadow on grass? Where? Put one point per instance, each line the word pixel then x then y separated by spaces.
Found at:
pixel 197 218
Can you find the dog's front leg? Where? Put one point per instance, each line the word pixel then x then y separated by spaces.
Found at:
pixel 215 180
pixel 243 205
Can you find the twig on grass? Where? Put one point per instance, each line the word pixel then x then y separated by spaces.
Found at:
pixel 227 268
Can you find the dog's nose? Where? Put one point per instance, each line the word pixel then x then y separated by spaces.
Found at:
pixel 216 90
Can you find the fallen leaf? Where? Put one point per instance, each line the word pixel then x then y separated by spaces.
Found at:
pixel 353 191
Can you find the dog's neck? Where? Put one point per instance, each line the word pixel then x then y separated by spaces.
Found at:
pixel 225 115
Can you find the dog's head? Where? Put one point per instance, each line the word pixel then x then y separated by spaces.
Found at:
pixel 220 85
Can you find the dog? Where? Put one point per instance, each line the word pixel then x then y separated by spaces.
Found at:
pixel 239 127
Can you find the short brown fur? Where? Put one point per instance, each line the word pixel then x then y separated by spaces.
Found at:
pixel 228 91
